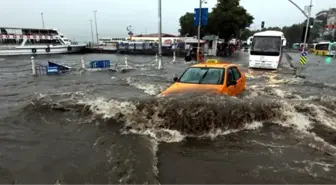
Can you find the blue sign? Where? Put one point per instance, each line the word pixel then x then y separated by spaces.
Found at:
pixel 304 53
pixel 52 70
pixel 204 16
pixel 100 64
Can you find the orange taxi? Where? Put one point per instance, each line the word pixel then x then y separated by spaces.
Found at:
pixel 211 76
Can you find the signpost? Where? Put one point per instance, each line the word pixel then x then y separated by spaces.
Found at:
pixel 204 16
pixel 200 19
pixel 303 58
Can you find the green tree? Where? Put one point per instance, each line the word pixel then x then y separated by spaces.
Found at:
pixel 187 25
pixel 293 33
pixel 246 33
pixel 327 37
pixel 228 18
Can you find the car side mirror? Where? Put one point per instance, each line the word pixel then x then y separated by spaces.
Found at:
pixel 175 79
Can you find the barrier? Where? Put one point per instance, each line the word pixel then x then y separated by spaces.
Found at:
pixel 53 68
pixel 100 64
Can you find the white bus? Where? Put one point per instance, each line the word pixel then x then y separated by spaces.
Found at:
pixel 266 49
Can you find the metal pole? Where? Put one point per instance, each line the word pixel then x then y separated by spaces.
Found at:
pixel 42 20
pixel 94 12
pixel 160 37
pixel 91 31
pixel 199 31
pixel 307 25
pixel 300 8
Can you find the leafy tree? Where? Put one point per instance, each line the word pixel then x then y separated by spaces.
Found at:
pixel 187 25
pixel 246 34
pixel 327 37
pixel 293 33
pixel 227 18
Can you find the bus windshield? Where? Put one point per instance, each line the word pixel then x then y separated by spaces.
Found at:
pixel 332 46
pixel 266 45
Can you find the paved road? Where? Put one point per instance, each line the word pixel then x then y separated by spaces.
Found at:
pixel 316 69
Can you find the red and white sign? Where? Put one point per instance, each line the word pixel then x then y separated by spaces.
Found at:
pixel 330 26
pixel 168 42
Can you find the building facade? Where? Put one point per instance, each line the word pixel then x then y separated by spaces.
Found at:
pixel 331 20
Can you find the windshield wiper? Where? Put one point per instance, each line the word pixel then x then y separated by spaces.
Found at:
pixel 203 76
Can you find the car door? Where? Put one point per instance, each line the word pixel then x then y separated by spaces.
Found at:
pixel 231 89
pixel 239 79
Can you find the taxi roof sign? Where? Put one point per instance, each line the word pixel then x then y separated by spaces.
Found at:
pixel 212 61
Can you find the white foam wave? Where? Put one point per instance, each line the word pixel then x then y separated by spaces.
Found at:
pixel 148 88
pixel 109 108
pixel 291 118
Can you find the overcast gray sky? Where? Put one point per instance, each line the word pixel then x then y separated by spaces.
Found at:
pixel 72 17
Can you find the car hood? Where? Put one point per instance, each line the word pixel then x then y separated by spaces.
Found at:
pixel 178 88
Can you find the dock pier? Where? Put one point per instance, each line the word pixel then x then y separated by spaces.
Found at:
pixel 165 51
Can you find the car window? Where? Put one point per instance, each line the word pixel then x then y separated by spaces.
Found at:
pixel 230 76
pixel 203 75
pixel 236 73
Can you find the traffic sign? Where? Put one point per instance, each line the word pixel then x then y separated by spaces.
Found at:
pixel 304 53
pixel 303 58
pixel 204 16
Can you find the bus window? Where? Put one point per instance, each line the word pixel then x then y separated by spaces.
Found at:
pixel 322 47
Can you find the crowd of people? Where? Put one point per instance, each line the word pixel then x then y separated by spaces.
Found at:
pixel 223 49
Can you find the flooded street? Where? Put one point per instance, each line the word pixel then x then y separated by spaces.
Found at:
pixel 110 127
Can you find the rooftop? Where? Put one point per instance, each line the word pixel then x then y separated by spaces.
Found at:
pixel 26 28
pixel 218 65
pixel 155 35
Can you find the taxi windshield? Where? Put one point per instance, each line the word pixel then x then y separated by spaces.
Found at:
pixel 199 75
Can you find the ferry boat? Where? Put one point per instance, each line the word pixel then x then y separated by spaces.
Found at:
pixel 106 41
pixel 34 41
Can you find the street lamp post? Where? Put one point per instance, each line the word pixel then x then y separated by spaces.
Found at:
pixel 307 25
pixel 91 32
pixel 199 29
pixel 302 11
pixel 160 36
pixel 42 20
pixel 94 12
pixel 307 16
